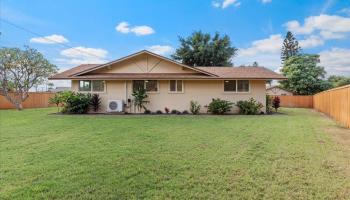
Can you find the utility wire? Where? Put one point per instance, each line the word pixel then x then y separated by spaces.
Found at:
pixel 55 42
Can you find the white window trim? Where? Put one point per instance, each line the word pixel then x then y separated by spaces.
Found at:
pixel 144 86
pixel 176 92
pixel 236 92
pixel 93 92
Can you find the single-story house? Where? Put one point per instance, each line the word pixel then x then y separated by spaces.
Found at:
pixel 277 90
pixel 169 84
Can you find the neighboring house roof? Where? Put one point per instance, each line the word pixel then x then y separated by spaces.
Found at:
pixel 86 71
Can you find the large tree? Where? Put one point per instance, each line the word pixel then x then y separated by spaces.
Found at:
pixel 290 47
pixel 304 76
pixel 201 49
pixel 20 70
pixel 337 81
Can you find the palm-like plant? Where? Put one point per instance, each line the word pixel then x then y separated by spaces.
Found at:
pixel 139 98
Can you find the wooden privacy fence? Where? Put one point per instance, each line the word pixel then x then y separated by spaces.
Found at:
pixel 335 103
pixel 296 101
pixel 35 100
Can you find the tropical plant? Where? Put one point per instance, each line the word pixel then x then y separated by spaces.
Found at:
pixel 195 107
pixel 268 104
pixel 167 110
pixel 219 107
pixel 276 103
pixel 57 99
pixel 95 102
pixel 140 97
pixel 249 107
pixel 201 49
pixel 20 70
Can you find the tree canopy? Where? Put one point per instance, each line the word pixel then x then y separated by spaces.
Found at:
pixel 304 76
pixel 20 70
pixel 290 47
pixel 201 49
pixel 337 81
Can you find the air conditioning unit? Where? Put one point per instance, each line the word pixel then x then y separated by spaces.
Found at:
pixel 115 106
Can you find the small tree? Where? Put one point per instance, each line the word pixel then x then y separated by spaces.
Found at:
pixel 57 99
pixel 139 98
pixel 276 103
pixel 195 107
pixel 95 102
pixel 20 70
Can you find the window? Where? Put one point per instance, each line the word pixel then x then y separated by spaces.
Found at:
pixel 236 86
pixel 230 86
pixel 176 86
pixel 243 86
pixel 92 86
pixel 148 85
pixel 85 86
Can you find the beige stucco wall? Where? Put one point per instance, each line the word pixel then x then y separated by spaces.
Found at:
pixel 199 90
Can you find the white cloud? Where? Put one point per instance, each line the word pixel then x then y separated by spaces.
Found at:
pixel 82 55
pixel 161 49
pixel 226 3
pixel 331 23
pixel 266 1
pixel 272 44
pixel 124 27
pixel 336 61
pixel 50 39
pixel 328 35
pixel 311 41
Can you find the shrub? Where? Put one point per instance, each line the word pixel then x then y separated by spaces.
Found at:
pixel 268 104
pixel 175 111
pixel 219 107
pixel 185 112
pixel 95 102
pixel 249 107
pixel 147 111
pixel 159 112
pixel 167 110
pixel 195 107
pixel 77 103
pixel 276 103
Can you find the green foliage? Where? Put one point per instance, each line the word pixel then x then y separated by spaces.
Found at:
pixel 147 112
pixel 195 107
pixel 249 107
pixel 276 103
pixel 76 103
pixel 20 70
pixel 304 76
pixel 159 112
pixel 185 112
pixel 337 81
pixel 57 99
pixel 95 102
pixel 268 104
pixel 290 47
pixel 219 107
pixel 174 111
pixel 139 98
pixel 201 49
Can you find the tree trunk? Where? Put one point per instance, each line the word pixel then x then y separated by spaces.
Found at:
pixel 19 106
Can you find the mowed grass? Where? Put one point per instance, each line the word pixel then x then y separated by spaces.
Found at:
pixel 284 156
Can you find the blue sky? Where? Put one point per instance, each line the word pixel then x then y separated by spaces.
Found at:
pixel 74 32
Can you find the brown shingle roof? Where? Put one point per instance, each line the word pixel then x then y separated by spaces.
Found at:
pixel 243 72
pixel 68 73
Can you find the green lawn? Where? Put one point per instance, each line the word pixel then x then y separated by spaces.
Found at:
pixel 284 156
